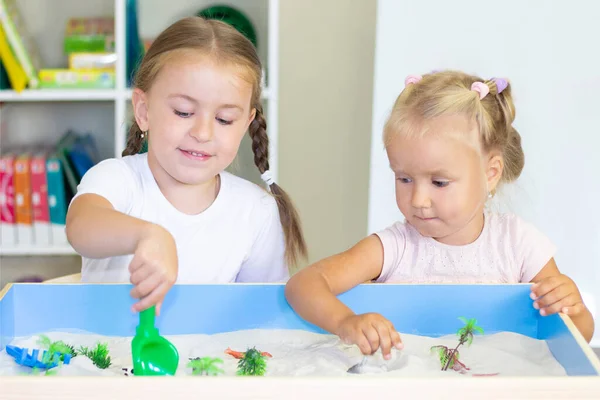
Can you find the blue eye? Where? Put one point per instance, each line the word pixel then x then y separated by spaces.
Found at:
pixel 182 114
pixel 440 184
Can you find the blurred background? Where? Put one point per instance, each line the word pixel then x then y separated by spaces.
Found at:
pixel 332 69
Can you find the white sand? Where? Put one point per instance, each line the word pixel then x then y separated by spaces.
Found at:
pixel 301 353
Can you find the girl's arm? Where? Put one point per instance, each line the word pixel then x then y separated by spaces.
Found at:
pixel 555 292
pixel 312 291
pixel 96 230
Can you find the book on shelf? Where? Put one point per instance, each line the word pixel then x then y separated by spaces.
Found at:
pixel 36 186
pixel 21 42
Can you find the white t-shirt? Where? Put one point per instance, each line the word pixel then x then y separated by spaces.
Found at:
pixel 239 238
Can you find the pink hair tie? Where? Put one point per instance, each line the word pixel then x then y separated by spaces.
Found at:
pixel 481 88
pixel 412 79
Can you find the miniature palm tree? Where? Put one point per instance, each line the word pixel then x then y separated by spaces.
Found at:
pixel 449 358
pixel 465 335
pixel 205 366
pixel 253 363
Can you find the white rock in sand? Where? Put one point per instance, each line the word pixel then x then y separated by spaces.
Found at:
pixel 302 353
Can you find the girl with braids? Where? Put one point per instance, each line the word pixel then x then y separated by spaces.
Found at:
pixel 450 143
pixel 173 214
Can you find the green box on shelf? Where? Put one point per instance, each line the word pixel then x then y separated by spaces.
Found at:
pixel 76 79
pixel 89 43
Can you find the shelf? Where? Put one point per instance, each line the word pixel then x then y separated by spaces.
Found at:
pixel 37 251
pixel 58 95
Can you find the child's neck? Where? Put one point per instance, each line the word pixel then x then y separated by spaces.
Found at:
pixel 468 233
pixel 188 199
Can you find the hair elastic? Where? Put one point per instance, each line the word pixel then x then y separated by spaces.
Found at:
pixel 480 88
pixel 267 177
pixel 412 79
pixel 501 84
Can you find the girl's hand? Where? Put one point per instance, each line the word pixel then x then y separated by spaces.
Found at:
pixel 557 293
pixel 153 269
pixel 369 332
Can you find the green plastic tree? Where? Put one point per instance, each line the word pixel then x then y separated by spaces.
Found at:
pixel 205 366
pixel 449 358
pixel 98 355
pixel 253 363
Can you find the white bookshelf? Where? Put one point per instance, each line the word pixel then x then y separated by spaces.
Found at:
pixel 58 95
pixel 37 251
pixel 34 116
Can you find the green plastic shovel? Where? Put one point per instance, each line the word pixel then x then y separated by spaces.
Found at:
pixel 152 354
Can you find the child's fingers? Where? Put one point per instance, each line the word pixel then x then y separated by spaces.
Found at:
pixel 136 262
pixel 396 339
pixel 542 287
pixel 153 298
pixel 553 296
pixel 372 336
pixel 145 287
pixel 575 309
pixel 363 344
pixel 139 275
pixel 559 305
pixel 395 336
pixel 385 341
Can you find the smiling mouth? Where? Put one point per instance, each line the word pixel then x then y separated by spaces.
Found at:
pixel 196 154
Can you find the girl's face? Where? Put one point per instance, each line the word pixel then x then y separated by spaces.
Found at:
pixel 443 179
pixel 196 114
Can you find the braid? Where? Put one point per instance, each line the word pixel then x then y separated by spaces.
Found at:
pixel 295 246
pixel 134 140
pixel 260 140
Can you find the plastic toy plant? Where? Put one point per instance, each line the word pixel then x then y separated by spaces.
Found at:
pixel 449 358
pixel 98 355
pixel 57 347
pixel 205 366
pixel 253 363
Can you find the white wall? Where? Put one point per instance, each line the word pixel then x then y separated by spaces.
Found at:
pixel 326 51
pixel 548 49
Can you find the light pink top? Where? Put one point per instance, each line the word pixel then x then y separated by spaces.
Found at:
pixel 509 250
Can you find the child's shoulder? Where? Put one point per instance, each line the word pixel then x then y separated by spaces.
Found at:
pixel 507 224
pixel 127 170
pixel 247 192
pixel 135 164
pixel 400 230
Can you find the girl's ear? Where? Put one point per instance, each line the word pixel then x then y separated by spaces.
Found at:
pixel 139 100
pixel 495 166
pixel 251 118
